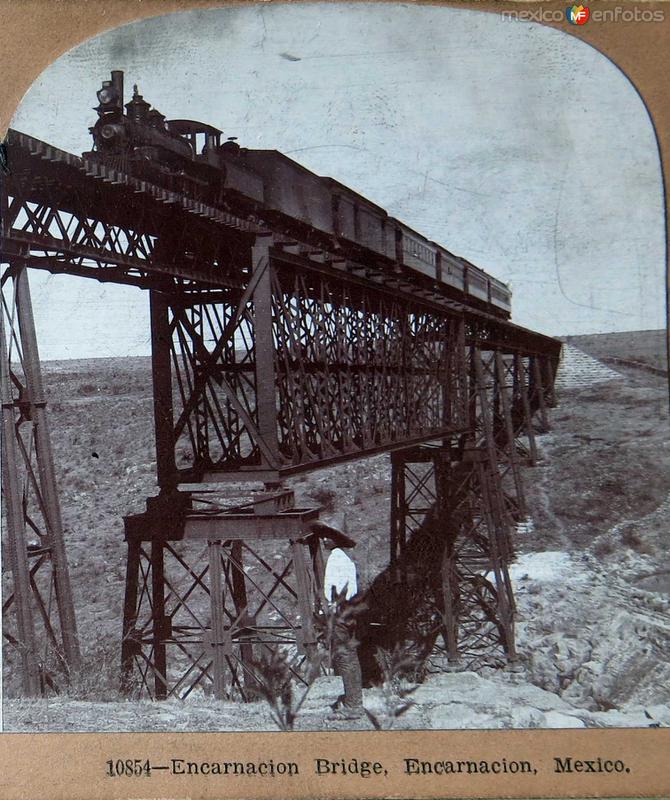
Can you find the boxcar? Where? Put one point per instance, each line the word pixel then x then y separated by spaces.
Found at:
pixel 291 188
pixel 359 220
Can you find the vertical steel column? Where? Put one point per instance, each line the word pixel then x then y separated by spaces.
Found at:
pixel 161 367
pixel 454 388
pixel 497 504
pixel 239 587
pixel 266 391
pixel 46 471
pixel 497 544
pixel 129 647
pixel 158 619
pixel 497 420
pixel 461 418
pixel 16 539
pixel 520 369
pixel 472 392
pixel 539 389
pixel 196 315
pixel 484 409
pixel 509 433
pixel 398 515
pixel 549 381
pixel 448 570
pixel 218 632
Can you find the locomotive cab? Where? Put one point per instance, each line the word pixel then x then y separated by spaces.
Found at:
pixel 231 175
pixel 205 140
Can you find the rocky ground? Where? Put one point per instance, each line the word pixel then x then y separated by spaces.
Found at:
pixel 591 576
pixel 450 701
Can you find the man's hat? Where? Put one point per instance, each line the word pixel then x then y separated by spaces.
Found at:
pixel 325 531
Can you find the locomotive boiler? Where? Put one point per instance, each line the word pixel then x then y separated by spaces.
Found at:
pixel 192 157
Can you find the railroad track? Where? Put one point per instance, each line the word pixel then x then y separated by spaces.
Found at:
pixel 639 365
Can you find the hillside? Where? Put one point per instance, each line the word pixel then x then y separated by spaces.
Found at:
pixel 644 347
pixel 591 578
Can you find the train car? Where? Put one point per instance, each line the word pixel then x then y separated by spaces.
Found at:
pixel 500 295
pixel 482 286
pixel 475 281
pixel 434 261
pixel 414 251
pixel 291 189
pixel 449 269
pixel 357 219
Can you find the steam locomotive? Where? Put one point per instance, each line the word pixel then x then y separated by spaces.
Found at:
pixel 190 157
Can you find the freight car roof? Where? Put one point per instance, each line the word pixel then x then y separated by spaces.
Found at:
pixel 279 155
pixel 331 181
pixel 349 190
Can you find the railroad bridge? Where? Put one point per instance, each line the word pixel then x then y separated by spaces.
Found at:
pixel 271 356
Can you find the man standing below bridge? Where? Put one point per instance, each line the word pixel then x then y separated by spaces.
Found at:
pixel 340 585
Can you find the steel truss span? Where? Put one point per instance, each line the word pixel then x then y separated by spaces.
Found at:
pixel 270 356
pixel 303 370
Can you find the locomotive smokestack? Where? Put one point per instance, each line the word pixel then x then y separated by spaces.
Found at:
pixel 117 83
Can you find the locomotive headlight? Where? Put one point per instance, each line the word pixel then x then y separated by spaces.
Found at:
pixel 112 134
pixel 109 99
pixel 108 132
pixel 107 95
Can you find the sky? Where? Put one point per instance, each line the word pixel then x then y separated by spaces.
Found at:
pixel 515 145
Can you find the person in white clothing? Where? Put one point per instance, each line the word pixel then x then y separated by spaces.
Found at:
pixel 340 574
pixel 340 577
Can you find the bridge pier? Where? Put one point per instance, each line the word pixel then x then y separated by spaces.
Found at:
pixel 212 586
pixel 45 633
pixel 454 504
pixel 449 555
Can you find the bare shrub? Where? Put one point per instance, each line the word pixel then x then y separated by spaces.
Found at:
pixel 274 675
pixel 98 677
pixel 325 497
pixel 604 547
pixel 115 389
pixel 87 389
pixel 399 669
pixel 631 538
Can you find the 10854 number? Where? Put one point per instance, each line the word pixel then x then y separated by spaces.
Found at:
pixel 129 767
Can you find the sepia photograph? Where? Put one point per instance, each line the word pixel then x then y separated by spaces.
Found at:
pixel 334 382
